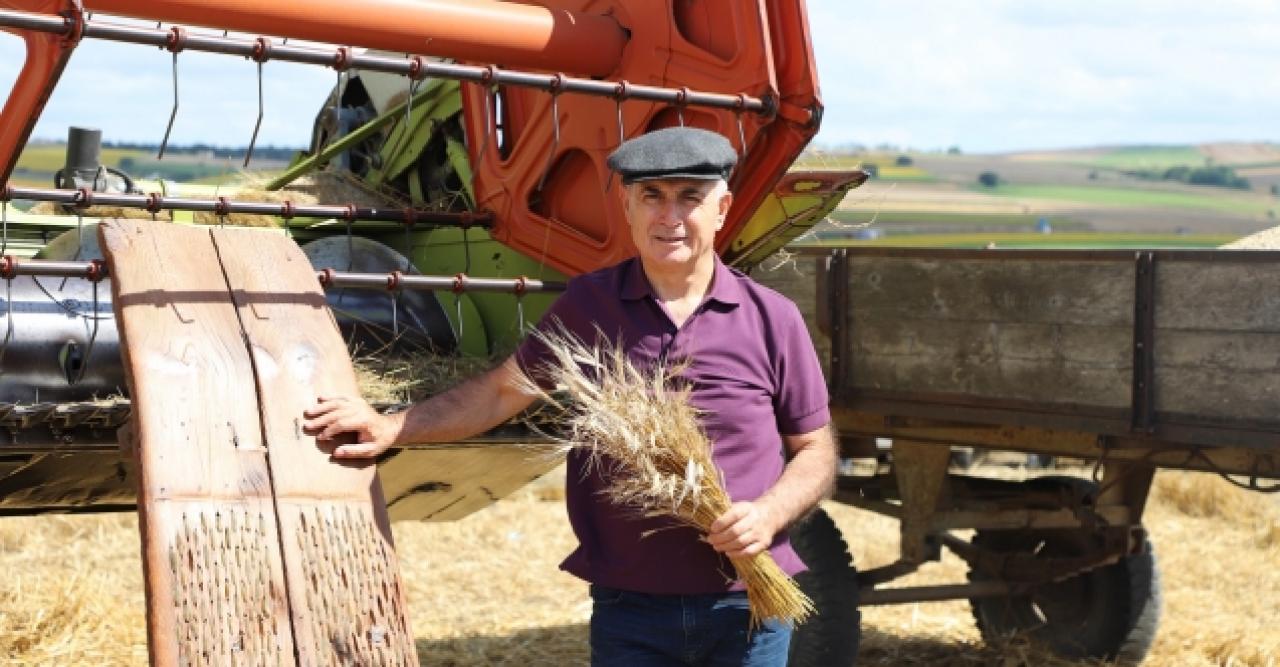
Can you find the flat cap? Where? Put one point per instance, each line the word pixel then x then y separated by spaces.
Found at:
pixel 674 152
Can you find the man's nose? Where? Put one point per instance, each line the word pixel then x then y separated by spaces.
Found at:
pixel 670 214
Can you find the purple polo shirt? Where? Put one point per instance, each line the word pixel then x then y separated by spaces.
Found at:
pixel 755 376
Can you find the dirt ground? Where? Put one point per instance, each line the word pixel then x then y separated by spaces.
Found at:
pixel 486 590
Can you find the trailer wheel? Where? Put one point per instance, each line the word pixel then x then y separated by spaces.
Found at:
pixel 830 637
pixel 1109 613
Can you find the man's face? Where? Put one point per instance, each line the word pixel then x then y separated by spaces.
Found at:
pixel 674 220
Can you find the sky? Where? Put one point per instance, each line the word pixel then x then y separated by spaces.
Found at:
pixel 984 75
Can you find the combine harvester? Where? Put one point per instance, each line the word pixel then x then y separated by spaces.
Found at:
pixel 493 131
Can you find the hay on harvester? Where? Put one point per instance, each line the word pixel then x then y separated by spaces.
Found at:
pixel 394 379
pixel 643 424
pixel 323 187
pixel 51 208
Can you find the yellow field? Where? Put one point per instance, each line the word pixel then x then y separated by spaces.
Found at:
pixel 486 590
pixel 52 157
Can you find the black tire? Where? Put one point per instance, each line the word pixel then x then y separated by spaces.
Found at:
pixel 1108 613
pixel 830 637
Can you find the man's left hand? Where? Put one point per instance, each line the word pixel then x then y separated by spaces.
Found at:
pixel 744 531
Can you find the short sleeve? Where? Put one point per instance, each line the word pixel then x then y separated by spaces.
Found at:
pixel 801 400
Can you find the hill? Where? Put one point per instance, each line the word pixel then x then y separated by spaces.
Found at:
pixel 1104 196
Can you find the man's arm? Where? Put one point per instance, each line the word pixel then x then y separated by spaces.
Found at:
pixel 472 407
pixel 748 527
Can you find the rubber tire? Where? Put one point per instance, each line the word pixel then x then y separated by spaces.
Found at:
pixel 830 637
pixel 1109 613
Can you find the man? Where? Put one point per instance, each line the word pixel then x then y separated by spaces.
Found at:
pixel 663 594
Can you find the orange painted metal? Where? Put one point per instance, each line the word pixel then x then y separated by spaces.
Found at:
pixel 47 56
pixel 514 35
pixel 544 179
pixel 573 222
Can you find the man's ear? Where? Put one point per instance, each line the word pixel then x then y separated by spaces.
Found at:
pixel 726 201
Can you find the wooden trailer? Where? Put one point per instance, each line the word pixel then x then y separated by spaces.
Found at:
pixel 1128 361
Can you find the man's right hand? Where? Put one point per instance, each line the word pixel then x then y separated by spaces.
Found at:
pixel 334 416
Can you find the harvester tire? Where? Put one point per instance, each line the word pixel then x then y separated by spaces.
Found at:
pixel 1109 613
pixel 830 637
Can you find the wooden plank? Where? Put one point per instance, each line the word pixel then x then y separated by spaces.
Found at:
pixel 1047 363
pixel 1099 293
pixel 214 579
pixel 1225 377
pixel 1048 332
pixel 344 584
pixel 1220 296
pixel 449 482
pixel 1217 341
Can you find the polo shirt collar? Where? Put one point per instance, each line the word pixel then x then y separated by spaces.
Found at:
pixel 724 286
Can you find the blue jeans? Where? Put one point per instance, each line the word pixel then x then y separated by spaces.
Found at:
pixel 631 629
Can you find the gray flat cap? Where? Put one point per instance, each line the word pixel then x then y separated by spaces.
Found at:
pixel 674 152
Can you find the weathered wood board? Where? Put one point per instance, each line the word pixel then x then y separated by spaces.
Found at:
pixel 1050 333
pixel 1217 341
pixel 449 482
pixel 215 583
pixel 1056 332
pixel 344 584
pixel 287 553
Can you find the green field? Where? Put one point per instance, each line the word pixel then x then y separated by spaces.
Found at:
pixel 1067 240
pixel 942 218
pixel 48 158
pixel 885 165
pixel 1136 197
pixel 1149 157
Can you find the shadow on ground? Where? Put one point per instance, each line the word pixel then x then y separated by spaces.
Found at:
pixel 879 649
pixel 566 645
pixel 536 647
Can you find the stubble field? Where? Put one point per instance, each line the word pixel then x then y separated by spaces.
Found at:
pixel 486 590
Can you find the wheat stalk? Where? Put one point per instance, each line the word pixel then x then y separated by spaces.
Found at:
pixel 641 423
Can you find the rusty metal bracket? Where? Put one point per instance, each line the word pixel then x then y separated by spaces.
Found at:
pixel 837 295
pixel 1144 342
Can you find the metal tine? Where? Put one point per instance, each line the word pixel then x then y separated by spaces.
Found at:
pixel 4 222
pixel 164 143
pixel 93 336
pixel 351 261
pixel 408 268
pixel 621 133
pixel 408 103
pixel 79 243
pixel 408 110
pixel 680 114
pixel 742 137
pixel 8 316
pixel 337 108
pixel 253 141
pixel 521 286
pixel 457 303
pixel 395 315
pixel 551 156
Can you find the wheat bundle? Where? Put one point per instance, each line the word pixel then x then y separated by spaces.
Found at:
pixel 642 424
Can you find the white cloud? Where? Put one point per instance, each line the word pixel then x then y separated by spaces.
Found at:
pixel 126 90
pixel 987 75
pixel 1000 75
